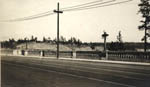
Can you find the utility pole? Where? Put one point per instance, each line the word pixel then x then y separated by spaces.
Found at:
pixel 58 12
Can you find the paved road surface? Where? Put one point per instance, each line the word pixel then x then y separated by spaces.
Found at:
pixel 36 72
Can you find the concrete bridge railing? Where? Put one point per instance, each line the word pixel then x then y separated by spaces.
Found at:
pixel 130 56
pixel 117 56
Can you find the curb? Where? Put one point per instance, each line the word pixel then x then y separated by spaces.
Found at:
pixel 108 61
pixel 87 60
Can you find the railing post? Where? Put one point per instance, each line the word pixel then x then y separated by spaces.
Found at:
pixel 26 53
pixel 73 54
pixel 42 54
pixel 106 55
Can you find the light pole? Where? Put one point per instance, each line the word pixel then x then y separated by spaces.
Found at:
pixel 104 35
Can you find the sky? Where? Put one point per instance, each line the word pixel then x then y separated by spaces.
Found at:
pixel 87 25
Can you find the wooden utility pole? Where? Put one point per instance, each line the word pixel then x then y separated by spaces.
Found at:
pixel 58 12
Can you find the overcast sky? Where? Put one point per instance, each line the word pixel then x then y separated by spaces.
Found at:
pixel 87 25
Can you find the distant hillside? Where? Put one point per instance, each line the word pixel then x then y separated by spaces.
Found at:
pixel 53 47
pixel 130 46
pixel 43 46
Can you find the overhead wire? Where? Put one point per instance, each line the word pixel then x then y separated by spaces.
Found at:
pixel 82 4
pixel 89 5
pixel 98 6
pixel 35 17
pixel 47 13
pixel 30 17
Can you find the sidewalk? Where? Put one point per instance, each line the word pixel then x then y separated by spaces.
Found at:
pixel 87 60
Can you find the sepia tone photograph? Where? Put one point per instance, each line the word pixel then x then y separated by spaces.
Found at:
pixel 75 43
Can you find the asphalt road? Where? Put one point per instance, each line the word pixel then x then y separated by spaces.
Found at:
pixel 37 72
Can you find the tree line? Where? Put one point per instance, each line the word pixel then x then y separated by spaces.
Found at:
pixel 72 42
pixel 12 43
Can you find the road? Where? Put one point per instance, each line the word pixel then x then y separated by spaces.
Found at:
pixel 37 72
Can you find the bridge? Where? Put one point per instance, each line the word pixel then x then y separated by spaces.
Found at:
pixel 23 71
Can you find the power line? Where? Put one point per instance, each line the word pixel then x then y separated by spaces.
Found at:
pixel 29 17
pixel 77 9
pixel 90 5
pixel 82 4
pixel 50 12
pixel 44 13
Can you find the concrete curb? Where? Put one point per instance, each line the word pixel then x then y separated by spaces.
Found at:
pixel 109 61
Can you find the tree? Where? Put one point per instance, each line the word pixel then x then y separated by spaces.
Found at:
pixel 92 46
pixel 49 39
pixel 119 45
pixel 11 43
pixel 32 38
pixel 54 40
pixel 74 42
pixel 62 39
pixel 119 37
pixel 145 11
pixel 79 42
pixel 44 39
pixel 35 39
pixel 113 46
pixel 70 41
